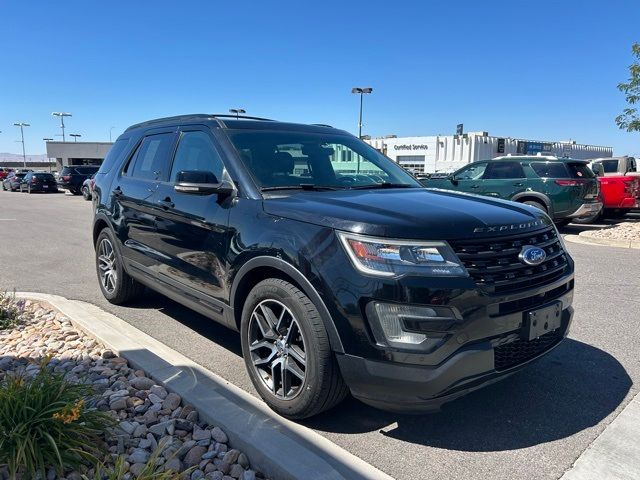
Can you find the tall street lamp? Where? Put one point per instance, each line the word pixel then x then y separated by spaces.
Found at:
pixel 24 156
pixel 61 115
pixel 361 91
pixel 45 140
pixel 237 111
pixel 75 136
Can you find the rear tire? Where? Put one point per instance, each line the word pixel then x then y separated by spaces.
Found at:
pixel 116 285
pixel 287 353
pixel 538 205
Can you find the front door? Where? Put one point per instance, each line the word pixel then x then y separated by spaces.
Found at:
pixel 192 228
pixel 468 179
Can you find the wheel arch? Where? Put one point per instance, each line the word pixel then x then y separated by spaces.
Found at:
pixel 99 224
pixel 536 197
pixel 263 267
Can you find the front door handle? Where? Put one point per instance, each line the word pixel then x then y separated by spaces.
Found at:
pixel 166 203
pixel 475 186
pixel 519 184
pixel 117 192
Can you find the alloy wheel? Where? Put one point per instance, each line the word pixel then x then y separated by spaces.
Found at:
pixel 107 265
pixel 277 346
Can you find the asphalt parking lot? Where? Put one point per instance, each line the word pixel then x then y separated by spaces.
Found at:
pixel 530 426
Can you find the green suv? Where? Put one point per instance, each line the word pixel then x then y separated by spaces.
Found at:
pixel 564 188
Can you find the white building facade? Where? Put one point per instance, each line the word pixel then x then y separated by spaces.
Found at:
pixel 446 153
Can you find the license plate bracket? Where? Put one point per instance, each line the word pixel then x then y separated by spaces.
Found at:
pixel 542 320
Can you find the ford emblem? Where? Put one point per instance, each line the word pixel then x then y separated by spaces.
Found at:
pixel 532 255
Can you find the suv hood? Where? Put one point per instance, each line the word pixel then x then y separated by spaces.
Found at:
pixel 415 213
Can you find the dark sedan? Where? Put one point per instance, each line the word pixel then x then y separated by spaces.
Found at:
pixel 38 182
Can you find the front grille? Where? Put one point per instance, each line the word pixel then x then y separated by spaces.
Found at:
pixel 519 351
pixel 493 262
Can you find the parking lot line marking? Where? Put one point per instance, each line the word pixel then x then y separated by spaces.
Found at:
pixel 7 219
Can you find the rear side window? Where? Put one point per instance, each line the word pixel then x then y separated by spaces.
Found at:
pixel 152 157
pixel 113 155
pixel 580 170
pixel 500 169
pixel 550 169
pixel 609 166
pixel 86 170
pixel 633 166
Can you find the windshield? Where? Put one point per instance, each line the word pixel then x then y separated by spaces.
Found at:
pixel 311 161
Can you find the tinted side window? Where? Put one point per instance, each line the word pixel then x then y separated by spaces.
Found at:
pixel 550 169
pixel 152 157
pixel 196 152
pixel 502 170
pixel 633 167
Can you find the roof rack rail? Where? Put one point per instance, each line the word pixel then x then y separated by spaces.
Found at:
pixel 194 116
pixel 322 125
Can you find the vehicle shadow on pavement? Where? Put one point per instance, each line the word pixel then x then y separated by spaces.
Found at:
pixel 571 389
pixel 202 325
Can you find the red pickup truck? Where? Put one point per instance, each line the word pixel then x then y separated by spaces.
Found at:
pixel 619 186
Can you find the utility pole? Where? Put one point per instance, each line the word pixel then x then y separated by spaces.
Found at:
pixel 24 155
pixel 61 115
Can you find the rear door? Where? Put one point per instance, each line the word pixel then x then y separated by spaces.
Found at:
pixel 586 188
pixel 192 228
pixel 134 189
pixel 503 179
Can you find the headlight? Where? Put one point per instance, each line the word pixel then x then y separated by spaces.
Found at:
pixel 388 257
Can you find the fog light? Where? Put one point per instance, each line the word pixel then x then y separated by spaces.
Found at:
pixel 395 325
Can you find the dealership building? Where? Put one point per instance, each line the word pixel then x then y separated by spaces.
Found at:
pixel 77 153
pixel 446 153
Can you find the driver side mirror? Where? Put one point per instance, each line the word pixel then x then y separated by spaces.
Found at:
pixel 202 182
pixel 453 179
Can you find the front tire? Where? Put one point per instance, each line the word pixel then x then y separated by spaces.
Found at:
pixel 116 285
pixel 287 353
pixel 85 193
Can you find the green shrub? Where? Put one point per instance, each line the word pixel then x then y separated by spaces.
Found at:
pixel 46 421
pixel 10 311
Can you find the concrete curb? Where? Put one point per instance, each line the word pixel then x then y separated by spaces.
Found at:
pixel 278 447
pixel 602 242
pixel 615 454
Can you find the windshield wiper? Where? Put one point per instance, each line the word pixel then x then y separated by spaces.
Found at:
pixel 382 185
pixel 302 186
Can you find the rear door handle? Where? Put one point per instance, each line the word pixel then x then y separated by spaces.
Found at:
pixel 475 186
pixel 166 203
pixel 518 184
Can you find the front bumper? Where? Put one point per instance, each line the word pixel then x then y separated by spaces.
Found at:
pixel 586 209
pixel 414 388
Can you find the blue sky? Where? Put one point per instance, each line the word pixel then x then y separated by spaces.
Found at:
pixel 536 69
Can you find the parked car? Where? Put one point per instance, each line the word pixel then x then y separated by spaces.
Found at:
pixel 72 177
pixel 4 172
pixel 563 188
pixel 38 182
pixel 619 187
pixel 405 296
pixel 87 187
pixel 12 182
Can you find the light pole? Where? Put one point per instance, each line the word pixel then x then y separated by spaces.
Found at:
pixel 45 140
pixel 61 115
pixel 75 136
pixel 237 111
pixel 24 156
pixel 110 133
pixel 361 91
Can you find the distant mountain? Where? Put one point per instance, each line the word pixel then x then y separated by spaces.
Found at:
pixel 17 157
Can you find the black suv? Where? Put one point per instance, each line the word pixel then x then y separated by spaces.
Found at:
pixel 341 271
pixel 72 177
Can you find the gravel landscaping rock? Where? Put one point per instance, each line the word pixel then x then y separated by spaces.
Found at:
pixel 147 414
pixel 621 231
